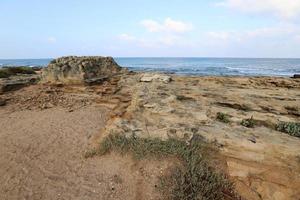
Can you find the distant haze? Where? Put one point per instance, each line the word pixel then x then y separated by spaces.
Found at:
pixel 147 28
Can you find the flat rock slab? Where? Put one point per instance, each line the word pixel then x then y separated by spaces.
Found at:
pixel 97 80
pixel 17 82
pixel 155 77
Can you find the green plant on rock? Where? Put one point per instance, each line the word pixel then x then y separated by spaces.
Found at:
pixel 194 180
pixel 291 128
pixel 249 123
pixel 223 117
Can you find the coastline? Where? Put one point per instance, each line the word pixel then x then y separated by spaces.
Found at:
pixel 257 159
pixel 194 66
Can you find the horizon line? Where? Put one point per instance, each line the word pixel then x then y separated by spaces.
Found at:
pixel 213 57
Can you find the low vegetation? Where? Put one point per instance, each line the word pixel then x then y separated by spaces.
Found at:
pixel 223 117
pixel 291 128
pixel 195 179
pixel 10 71
pixel 249 123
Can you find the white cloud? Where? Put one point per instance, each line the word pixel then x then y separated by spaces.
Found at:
pixel 51 40
pixel 152 25
pixel 169 25
pixel 276 34
pixel 285 9
pixel 126 37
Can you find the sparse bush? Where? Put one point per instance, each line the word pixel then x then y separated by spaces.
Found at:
pixel 291 128
pixel 195 179
pixel 249 123
pixel 223 117
pixel 6 72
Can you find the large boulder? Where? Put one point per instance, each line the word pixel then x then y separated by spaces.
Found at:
pixel 75 69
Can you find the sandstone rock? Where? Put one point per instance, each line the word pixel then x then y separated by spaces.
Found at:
pixel 87 69
pixel 155 77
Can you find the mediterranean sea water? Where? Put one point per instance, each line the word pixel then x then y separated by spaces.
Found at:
pixel 194 66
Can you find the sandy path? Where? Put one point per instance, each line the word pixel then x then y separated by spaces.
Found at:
pixel 41 157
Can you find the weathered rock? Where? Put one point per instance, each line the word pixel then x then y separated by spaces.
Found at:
pixel 296 76
pixel 87 69
pixel 155 77
pixel 2 102
pixel 17 82
pixel 97 80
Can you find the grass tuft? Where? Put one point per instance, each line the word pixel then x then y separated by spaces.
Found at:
pixel 291 128
pixel 195 179
pixel 249 123
pixel 223 117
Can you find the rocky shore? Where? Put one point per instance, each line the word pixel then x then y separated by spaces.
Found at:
pixel 240 116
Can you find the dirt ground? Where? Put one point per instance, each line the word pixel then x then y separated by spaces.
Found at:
pixel 44 134
pixel 41 157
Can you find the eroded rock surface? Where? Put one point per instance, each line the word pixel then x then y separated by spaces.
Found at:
pixel 263 163
pixel 155 77
pixel 75 69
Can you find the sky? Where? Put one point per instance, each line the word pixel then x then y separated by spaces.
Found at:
pixel 150 28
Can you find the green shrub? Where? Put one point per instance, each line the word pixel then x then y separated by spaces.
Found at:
pixel 223 117
pixel 6 72
pixel 291 128
pixel 195 179
pixel 249 123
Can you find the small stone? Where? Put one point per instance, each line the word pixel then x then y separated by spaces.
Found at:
pixel 252 139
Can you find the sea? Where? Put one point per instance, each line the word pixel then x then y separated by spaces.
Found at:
pixel 194 66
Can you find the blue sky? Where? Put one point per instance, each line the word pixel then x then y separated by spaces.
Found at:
pixel 194 28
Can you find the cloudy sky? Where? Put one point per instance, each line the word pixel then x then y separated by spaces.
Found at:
pixel 186 28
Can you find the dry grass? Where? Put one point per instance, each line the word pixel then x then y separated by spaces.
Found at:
pixel 194 180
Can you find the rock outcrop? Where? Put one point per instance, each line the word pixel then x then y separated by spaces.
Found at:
pixel 75 69
pixel 296 76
